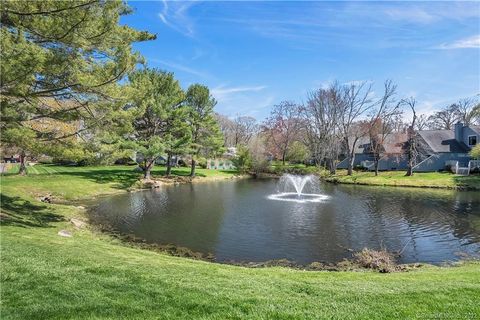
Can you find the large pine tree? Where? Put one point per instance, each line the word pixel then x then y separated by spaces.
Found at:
pixel 207 138
pixel 158 114
pixel 72 52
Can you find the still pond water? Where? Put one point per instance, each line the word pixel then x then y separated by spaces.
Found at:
pixel 236 220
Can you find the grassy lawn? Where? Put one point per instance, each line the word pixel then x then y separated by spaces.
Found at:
pixel 398 178
pixel 76 183
pixel 92 276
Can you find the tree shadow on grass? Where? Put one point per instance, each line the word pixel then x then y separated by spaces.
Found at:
pixel 175 172
pixel 121 178
pixel 16 211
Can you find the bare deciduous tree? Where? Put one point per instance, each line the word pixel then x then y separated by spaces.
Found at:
pixel 381 122
pixel 422 123
pixel 281 128
pixel 244 128
pixel 321 115
pixel 445 118
pixel 226 126
pixel 356 103
pixel 468 111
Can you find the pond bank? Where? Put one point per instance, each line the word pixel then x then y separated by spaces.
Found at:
pixel 438 180
pixel 355 263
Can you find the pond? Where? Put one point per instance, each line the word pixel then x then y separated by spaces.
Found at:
pixel 241 221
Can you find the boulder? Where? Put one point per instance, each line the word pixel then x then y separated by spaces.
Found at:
pixel 65 233
pixel 47 199
pixel 78 223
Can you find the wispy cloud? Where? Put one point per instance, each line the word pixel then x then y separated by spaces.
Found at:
pixel 223 93
pixel 350 24
pixel 411 14
pixel 181 67
pixel 246 100
pixel 175 15
pixel 470 42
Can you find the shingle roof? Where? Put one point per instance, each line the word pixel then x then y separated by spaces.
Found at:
pixel 437 140
pixel 394 143
pixel 442 141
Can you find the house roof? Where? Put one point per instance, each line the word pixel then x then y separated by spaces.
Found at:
pixel 475 128
pixel 394 143
pixel 433 141
pixel 442 141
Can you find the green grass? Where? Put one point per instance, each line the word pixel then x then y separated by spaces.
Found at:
pixel 398 178
pixel 92 276
pixel 77 183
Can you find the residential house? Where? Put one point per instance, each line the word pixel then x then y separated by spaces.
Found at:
pixel 436 150
pixel 442 147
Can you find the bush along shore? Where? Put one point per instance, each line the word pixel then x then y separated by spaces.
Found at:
pixel 367 259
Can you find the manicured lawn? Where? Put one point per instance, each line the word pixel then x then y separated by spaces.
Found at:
pixel 74 183
pixel 92 276
pixel 398 178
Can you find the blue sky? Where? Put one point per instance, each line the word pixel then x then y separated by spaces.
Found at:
pixel 253 55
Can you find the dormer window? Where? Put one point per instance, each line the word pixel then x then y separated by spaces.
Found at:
pixel 472 140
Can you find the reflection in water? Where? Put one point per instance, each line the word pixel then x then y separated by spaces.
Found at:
pixel 237 221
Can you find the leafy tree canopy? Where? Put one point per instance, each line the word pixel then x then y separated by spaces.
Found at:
pixel 158 113
pixel 207 138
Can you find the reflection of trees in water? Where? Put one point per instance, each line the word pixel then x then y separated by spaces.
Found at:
pixel 230 217
pixel 176 222
pixel 452 215
pixel 166 216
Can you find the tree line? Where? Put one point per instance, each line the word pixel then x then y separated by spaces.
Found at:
pixel 333 120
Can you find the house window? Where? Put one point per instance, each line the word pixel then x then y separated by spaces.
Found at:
pixel 472 140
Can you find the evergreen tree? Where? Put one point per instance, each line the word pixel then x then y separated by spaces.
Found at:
pixel 156 112
pixel 178 132
pixel 69 52
pixel 207 138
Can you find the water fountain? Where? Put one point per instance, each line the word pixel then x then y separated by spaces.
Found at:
pixel 289 183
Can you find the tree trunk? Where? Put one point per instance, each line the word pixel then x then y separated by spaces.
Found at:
pixel 192 170
pixel 411 158
pixel 409 171
pixel 148 168
pixel 331 166
pixel 412 154
pixel 351 160
pixel 169 165
pixel 283 158
pixel 23 167
pixel 376 161
pixel 351 155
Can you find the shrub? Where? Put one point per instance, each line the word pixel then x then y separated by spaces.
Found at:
pixel 202 162
pixel 380 260
pixel 243 159
pixel 280 169
pixel 475 152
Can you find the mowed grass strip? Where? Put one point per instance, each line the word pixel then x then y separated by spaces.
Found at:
pixel 398 178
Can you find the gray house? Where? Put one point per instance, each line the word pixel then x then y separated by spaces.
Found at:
pixel 437 149
pixel 445 147
pixel 394 149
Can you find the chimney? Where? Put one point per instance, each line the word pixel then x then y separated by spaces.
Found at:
pixel 459 131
